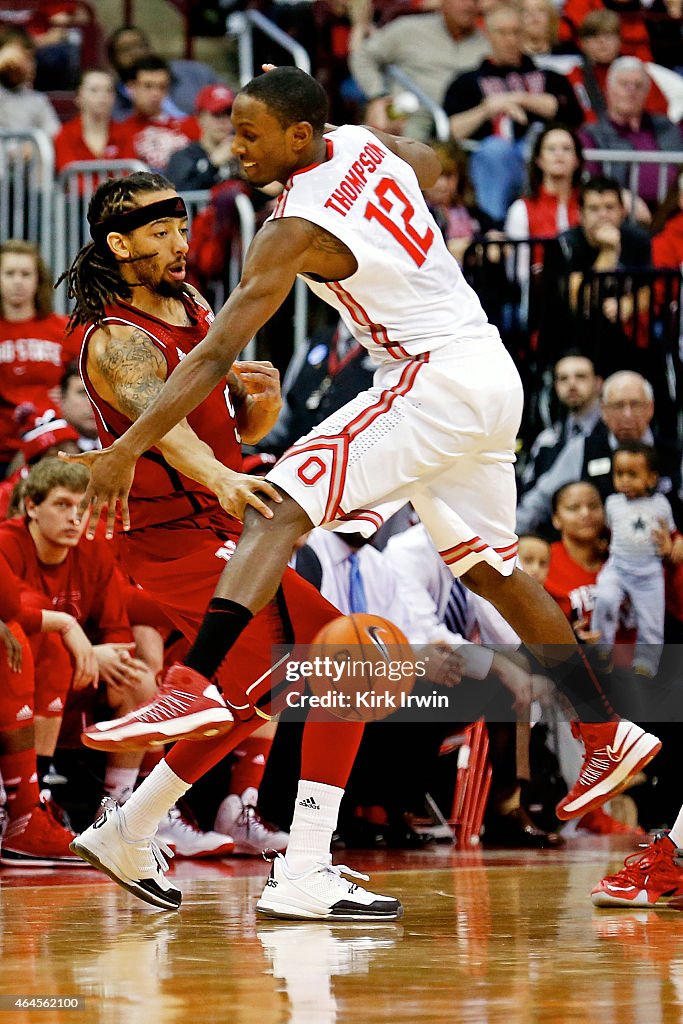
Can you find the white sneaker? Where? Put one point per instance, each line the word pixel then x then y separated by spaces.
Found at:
pixel 187 840
pixel 322 894
pixel 136 865
pixel 238 817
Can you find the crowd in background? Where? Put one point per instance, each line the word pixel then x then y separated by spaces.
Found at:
pixel 577 264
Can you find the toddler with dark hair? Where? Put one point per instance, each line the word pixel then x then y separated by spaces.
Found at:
pixel 642 528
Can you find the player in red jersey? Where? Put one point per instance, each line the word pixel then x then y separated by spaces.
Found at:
pixel 34 346
pixel 188 496
pixel 438 427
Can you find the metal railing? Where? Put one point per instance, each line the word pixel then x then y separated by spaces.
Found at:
pixel 438 114
pixel 241 24
pixel 26 184
pixel 634 161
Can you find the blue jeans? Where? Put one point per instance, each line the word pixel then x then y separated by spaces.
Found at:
pixel 497 172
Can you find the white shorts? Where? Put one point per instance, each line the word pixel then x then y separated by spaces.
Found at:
pixel 437 430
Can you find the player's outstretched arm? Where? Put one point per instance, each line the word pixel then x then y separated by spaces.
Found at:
pixel 128 371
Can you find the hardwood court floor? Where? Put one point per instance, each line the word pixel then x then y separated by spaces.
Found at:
pixel 487 938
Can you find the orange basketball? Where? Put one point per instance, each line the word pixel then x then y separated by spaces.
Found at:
pixel 367 667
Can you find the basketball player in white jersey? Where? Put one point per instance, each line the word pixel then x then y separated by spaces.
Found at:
pixel 437 428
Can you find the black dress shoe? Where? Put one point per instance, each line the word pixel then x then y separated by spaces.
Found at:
pixel 516 830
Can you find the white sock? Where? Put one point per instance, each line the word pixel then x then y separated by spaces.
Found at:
pixel 152 800
pixel 316 810
pixel 676 833
pixel 119 783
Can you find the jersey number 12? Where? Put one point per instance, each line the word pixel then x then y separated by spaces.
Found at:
pixel 417 246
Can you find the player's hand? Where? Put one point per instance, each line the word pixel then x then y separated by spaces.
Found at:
pixel 584 633
pixel 515 678
pixel 111 478
pixel 444 665
pixel 15 652
pixel 86 671
pixel 117 666
pixel 262 381
pixel 236 491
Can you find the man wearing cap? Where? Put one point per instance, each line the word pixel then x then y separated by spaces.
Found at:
pixel 205 163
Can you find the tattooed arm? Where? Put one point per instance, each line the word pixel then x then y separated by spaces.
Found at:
pixel 128 372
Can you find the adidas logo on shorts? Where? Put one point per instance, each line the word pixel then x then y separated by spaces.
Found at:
pixel 23 714
pixel 309 803
pixel 56 705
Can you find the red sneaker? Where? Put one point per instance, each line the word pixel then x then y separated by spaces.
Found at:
pixel 615 752
pixel 187 707
pixel 652 878
pixel 600 823
pixel 39 840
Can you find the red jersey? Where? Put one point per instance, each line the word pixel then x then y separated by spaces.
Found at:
pixel 160 494
pixel 84 585
pixel 10 601
pixel 71 146
pixel 33 356
pixel 572 586
pixel 156 139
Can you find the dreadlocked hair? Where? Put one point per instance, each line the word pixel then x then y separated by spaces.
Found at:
pixel 94 279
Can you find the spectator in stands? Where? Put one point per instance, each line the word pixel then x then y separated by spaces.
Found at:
pixel 430 48
pixel 599 38
pixel 92 135
pixel 634 34
pixel 500 105
pixel 129 44
pixel 154 135
pixel 552 205
pixel 627 411
pixel 76 408
pixel 34 344
pixel 576 558
pixel 604 240
pixel 642 533
pixel 577 387
pixel 540 27
pixel 21 107
pixel 667 243
pixel 451 201
pixel 209 160
pixel 41 436
pixel 626 124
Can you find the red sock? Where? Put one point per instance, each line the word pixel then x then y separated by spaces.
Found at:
pixel 251 755
pixel 190 759
pixel 328 749
pixel 21 782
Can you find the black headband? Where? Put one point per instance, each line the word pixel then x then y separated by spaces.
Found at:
pixel 136 218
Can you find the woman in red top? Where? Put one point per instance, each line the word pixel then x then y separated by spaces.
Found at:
pixel 93 135
pixel 34 345
pixel 579 554
pixel 552 205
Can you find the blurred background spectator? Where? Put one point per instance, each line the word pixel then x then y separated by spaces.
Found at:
pixel 501 105
pixel 129 44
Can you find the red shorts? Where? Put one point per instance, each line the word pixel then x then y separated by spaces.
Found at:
pixel 179 567
pixel 16 688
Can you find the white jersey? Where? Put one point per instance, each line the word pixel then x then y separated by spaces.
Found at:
pixel 408 295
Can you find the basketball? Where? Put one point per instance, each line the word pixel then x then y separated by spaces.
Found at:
pixel 368 667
